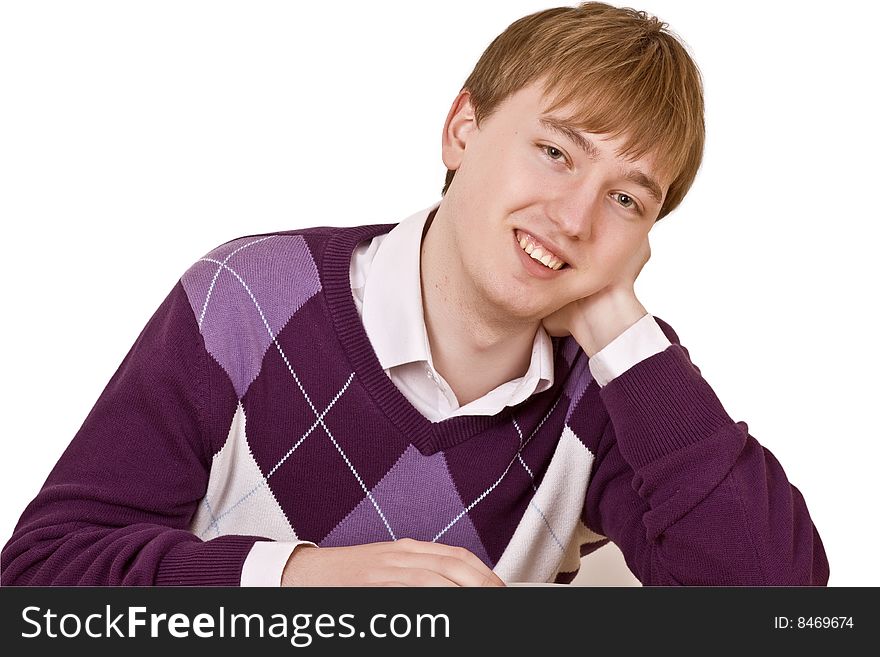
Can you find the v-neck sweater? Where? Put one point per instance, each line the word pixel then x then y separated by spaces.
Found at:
pixel 252 407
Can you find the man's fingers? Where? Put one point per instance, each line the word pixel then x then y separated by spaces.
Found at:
pixel 416 563
pixel 485 575
pixel 402 575
pixel 461 553
pixel 393 563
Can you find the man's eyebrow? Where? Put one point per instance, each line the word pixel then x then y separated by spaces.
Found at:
pixel 569 131
pixel 649 184
pixel 636 176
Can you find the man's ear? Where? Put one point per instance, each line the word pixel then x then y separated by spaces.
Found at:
pixel 460 124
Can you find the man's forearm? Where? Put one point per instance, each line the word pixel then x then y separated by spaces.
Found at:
pixel 714 507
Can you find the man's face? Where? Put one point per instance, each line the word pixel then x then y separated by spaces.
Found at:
pixel 517 177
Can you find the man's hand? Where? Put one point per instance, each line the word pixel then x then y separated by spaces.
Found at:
pixel 596 320
pixel 406 562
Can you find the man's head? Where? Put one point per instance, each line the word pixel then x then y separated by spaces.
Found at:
pixel 619 70
pixel 578 128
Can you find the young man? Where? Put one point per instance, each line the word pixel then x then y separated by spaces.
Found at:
pixel 472 396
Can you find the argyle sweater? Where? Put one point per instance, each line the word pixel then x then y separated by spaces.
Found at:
pixel 252 407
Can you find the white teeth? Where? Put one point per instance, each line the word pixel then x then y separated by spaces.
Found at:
pixel 537 253
pixel 544 258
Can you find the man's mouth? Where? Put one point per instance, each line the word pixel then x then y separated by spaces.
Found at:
pixel 539 252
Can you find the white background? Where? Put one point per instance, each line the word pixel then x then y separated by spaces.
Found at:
pixel 136 136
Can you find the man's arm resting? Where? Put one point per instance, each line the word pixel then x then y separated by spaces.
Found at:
pixel 687 494
pixel 116 508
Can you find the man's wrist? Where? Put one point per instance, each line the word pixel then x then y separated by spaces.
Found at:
pixel 294 573
pixel 606 321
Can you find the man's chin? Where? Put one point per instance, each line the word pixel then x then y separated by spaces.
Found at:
pixel 506 301
pixel 525 315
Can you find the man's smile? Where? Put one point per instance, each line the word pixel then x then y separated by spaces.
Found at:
pixel 535 267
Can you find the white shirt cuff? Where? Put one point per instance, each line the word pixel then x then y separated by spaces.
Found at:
pixel 265 562
pixel 640 341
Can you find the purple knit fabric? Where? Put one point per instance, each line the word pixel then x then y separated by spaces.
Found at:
pixel 265 328
pixel 248 303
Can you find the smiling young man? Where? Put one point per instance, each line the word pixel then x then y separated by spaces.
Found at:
pixel 543 223
pixel 472 396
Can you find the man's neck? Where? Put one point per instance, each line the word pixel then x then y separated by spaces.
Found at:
pixel 473 349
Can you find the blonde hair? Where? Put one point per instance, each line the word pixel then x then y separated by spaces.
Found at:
pixel 622 70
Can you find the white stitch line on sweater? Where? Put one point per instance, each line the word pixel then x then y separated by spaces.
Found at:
pixel 253 490
pixel 519 454
pixel 307 398
pixel 518 431
pixel 547 522
pixel 214 520
pixel 498 481
pixel 265 480
pixel 532 502
pixel 311 428
pixel 531 474
pixel 219 269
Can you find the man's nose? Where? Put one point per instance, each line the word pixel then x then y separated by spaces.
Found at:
pixel 575 211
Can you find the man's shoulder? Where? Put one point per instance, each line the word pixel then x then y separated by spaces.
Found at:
pixel 259 275
pixel 271 243
pixel 279 251
pixel 243 292
pixel 275 271
pixel 668 331
pixel 257 256
pixel 285 248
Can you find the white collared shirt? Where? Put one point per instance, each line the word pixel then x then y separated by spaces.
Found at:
pixel 385 276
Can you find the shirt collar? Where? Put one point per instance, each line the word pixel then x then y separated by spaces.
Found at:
pixel 392 306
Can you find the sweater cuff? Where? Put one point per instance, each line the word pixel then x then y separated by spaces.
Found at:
pixel 217 562
pixel 640 341
pixel 661 405
pixel 266 562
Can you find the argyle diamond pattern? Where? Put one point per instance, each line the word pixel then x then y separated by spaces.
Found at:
pixel 255 299
pixel 241 304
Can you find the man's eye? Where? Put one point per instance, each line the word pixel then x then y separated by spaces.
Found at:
pixel 554 153
pixel 626 201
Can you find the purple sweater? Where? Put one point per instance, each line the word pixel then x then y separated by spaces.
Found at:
pixel 252 407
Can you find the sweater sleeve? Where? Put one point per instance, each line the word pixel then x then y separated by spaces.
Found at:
pixel 116 508
pixel 685 492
